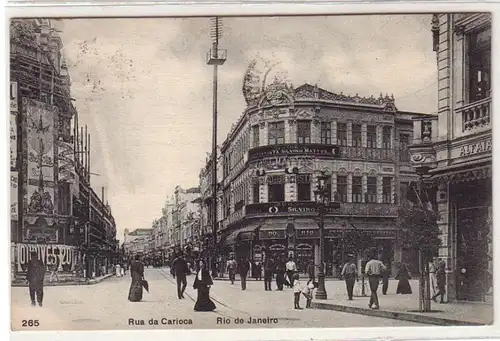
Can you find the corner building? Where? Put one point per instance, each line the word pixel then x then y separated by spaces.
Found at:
pixel 453 151
pixel 276 150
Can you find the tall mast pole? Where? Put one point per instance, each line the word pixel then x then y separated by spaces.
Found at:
pixel 215 57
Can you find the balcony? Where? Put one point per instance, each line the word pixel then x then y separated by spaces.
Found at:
pixel 311 208
pixel 367 154
pixel 475 115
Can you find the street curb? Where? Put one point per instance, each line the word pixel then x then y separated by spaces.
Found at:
pixel 396 315
pixel 64 284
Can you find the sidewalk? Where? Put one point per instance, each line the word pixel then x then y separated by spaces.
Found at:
pixel 64 281
pixel 405 307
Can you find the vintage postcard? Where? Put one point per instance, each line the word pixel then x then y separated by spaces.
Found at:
pixel 323 171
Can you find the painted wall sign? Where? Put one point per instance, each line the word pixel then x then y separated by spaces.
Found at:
pixel 40 129
pixel 13 141
pixel 476 148
pixel 66 162
pixel 47 253
pixel 272 234
pixel 293 149
pixel 14 183
pixel 306 207
pixel 307 233
pixel 14 99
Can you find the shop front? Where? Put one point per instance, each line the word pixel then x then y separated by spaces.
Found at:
pixel 471 203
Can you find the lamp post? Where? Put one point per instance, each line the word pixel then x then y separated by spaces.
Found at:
pixel 323 200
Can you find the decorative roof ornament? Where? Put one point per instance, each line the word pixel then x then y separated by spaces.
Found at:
pixel 24 32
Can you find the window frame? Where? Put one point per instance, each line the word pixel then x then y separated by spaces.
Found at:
pixel 358 142
pixel 277 128
pixel 342 142
pixel 342 197
pixel 326 132
pixel 371 143
pixel 255 141
pixel 357 197
pixel 483 53
pixel 387 197
pixel 307 128
pixel 371 189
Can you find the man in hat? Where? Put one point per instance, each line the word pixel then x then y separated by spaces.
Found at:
pixel 374 269
pixel 35 277
pixel 179 270
pixel 350 275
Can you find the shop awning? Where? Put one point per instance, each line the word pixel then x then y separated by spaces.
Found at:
pixel 231 238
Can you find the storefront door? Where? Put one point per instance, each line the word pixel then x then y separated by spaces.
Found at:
pixel 473 229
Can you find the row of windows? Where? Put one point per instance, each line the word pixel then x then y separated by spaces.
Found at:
pixel 276 190
pixel 276 134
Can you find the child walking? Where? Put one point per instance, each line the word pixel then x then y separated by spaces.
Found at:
pixel 308 291
pixel 296 291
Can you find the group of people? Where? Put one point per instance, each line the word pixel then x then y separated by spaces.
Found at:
pixel 179 270
pixel 377 272
pixel 286 275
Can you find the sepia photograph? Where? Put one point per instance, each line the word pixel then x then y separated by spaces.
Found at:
pixel 245 172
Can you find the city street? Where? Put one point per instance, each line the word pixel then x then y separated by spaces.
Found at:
pixel 105 306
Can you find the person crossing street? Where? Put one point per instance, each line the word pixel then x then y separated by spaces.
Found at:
pixel 269 267
pixel 179 270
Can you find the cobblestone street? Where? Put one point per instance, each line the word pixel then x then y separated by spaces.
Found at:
pixel 105 306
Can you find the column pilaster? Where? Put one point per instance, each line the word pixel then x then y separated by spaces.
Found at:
pixel 349 187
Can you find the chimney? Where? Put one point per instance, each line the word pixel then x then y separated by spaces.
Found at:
pixel 102 195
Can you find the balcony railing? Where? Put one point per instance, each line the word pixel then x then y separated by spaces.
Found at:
pixel 367 154
pixel 476 114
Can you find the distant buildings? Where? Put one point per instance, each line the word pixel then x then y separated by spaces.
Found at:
pixel 54 210
pixel 453 150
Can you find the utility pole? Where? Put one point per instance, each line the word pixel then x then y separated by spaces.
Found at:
pixel 215 57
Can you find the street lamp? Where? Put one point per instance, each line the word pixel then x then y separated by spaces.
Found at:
pixel 322 198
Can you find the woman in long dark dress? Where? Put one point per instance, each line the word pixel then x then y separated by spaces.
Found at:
pixel 403 276
pixel 202 283
pixel 137 274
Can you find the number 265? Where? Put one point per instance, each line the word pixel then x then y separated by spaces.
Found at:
pixel 30 323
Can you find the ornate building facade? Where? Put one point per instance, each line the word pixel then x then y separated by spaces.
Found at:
pixel 453 150
pixel 273 154
pixel 54 210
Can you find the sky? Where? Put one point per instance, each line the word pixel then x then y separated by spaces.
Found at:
pixel 143 87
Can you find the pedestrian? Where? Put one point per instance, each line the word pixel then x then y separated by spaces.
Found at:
pixel 403 277
pixel 258 270
pixel 280 275
pixel 432 276
pixel 308 291
pixel 137 274
pixel 297 290
pixel 244 267
pixel 269 268
pixel 35 277
pixel 231 269
pixel 180 269
pixel 310 269
pixel 291 269
pixel 385 280
pixel 441 282
pixel 350 275
pixel 202 283
pixel 374 269
pixel 118 270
